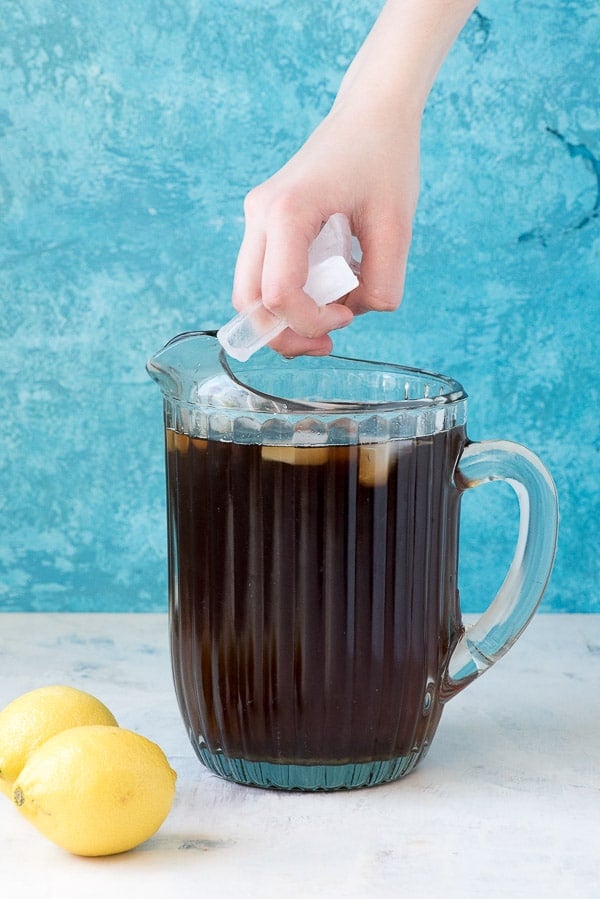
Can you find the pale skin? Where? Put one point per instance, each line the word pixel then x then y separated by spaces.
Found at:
pixel 362 160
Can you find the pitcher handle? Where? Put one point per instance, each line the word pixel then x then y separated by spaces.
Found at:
pixel 511 610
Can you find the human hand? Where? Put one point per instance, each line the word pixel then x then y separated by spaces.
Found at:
pixel 358 162
pixel 362 160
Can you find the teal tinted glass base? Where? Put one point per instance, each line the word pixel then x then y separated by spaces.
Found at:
pixel 309 778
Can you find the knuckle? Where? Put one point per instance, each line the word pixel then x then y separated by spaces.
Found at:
pixel 253 202
pixel 284 205
pixel 274 298
pixel 266 203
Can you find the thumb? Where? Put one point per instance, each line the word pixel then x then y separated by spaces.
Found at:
pixel 385 244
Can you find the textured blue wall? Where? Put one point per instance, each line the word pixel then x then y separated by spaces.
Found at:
pixel 129 134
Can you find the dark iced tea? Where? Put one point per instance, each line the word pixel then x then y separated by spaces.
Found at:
pixel 313 595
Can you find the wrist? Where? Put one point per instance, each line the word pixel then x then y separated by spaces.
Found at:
pixel 398 62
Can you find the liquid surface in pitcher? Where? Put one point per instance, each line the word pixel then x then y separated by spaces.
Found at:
pixel 313 595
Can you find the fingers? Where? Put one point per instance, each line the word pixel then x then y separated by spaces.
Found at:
pixel 385 244
pixel 284 274
pixel 248 270
pixel 290 344
pixel 273 265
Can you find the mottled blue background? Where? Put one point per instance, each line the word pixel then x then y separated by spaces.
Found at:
pixel 129 135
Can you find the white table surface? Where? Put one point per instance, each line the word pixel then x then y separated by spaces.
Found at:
pixel 507 803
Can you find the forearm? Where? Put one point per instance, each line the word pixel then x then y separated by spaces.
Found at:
pixel 362 160
pixel 400 58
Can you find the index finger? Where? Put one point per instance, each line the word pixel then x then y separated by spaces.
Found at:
pixel 285 271
pixel 248 268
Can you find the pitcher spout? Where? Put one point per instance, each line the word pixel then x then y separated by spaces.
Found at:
pixel 185 361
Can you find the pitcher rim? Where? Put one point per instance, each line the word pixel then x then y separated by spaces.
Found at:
pixel 452 392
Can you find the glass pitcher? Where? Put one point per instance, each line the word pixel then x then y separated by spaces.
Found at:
pixel 313 516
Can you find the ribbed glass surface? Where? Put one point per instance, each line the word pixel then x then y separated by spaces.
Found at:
pixel 313 603
pixel 301 402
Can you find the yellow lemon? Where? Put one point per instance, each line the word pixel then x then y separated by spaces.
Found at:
pixel 96 790
pixel 31 719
